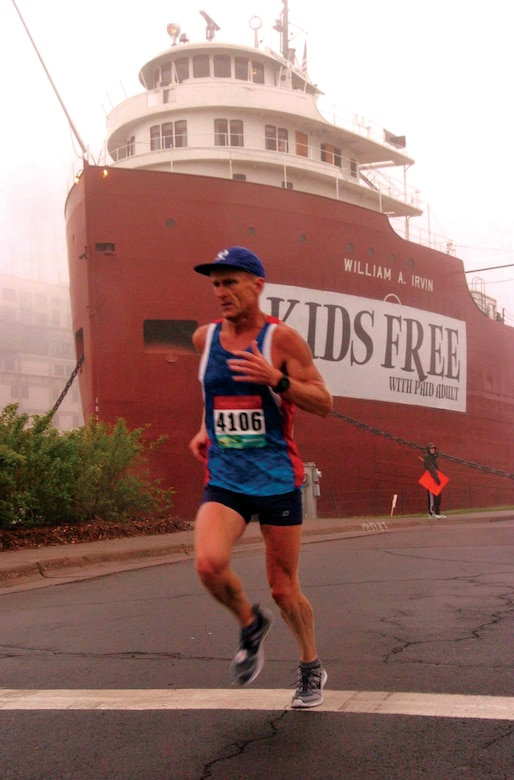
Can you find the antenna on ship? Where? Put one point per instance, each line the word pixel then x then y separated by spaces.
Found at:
pixel 212 28
pixel 282 26
pixel 70 121
pixel 255 24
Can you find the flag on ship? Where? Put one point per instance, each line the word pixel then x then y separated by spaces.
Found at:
pixel 304 60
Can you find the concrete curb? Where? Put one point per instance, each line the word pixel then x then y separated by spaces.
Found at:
pixel 29 565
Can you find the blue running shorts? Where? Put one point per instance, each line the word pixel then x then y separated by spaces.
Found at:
pixel 284 509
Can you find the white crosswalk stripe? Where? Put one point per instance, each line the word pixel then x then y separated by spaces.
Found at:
pixel 368 702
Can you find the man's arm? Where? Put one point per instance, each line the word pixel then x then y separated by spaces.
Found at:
pixel 200 442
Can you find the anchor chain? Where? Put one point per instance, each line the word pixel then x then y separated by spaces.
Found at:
pixel 414 445
pixel 68 385
pixel 363 426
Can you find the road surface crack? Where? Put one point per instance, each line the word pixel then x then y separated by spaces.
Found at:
pixel 235 749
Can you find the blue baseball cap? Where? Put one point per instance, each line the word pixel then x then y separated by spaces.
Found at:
pixel 235 257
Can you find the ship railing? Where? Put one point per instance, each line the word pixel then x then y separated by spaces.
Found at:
pixel 339 170
pixel 360 125
pixel 419 233
pixel 155 101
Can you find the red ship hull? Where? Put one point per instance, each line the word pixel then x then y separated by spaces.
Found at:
pixel 133 239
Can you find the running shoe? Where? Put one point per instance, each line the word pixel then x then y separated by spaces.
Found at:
pixel 249 658
pixel 309 689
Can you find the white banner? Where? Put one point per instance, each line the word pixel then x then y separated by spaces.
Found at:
pixel 377 350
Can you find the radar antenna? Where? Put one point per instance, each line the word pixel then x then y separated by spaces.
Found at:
pixel 212 28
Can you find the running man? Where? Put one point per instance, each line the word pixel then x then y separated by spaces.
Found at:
pixel 254 371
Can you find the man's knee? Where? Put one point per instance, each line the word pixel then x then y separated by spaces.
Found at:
pixel 284 591
pixel 210 569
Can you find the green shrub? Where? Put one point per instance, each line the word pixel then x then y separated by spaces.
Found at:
pixel 96 471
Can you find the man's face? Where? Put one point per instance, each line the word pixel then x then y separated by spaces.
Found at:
pixel 237 292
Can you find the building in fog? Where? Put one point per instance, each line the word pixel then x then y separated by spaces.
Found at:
pixel 37 354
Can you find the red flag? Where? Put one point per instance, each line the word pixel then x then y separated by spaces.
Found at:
pixel 429 482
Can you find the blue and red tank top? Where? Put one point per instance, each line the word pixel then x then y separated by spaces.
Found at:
pixel 251 447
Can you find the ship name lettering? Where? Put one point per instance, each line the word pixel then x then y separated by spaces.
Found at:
pixel 422 283
pixel 366 269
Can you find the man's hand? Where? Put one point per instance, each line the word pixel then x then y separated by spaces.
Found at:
pixel 199 444
pixel 253 367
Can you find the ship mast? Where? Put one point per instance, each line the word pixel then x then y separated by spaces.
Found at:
pixel 68 117
pixel 282 26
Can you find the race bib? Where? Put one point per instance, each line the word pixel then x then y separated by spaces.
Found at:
pixel 239 421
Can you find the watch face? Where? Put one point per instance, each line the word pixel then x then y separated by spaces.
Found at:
pixel 283 385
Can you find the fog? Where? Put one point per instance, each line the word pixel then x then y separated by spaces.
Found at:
pixel 437 72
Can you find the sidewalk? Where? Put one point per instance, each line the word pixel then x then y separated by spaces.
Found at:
pixel 68 562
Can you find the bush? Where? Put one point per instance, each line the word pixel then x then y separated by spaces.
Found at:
pixel 97 471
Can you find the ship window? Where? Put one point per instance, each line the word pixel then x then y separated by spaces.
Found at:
pixel 242 69
pixel 166 74
pixel 182 69
pixel 257 72
pixel 131 146
pixel 239 176
pixel 167 135
pixel 155 137
pixel 276 139
pixel 105 247
pixel 236 133
pixel 79 343
pixel 271 137
pixel 353 168
pixel 302 144
pixel 201 66
pixel 228 133
pixel 331 154
pixel 222 66
pixel 163 335
pixel 156 75
pixel 220 132
pixel 181 133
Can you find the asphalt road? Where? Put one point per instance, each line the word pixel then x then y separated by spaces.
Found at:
pixel 125 676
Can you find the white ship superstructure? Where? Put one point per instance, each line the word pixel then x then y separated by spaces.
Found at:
pixel 250 114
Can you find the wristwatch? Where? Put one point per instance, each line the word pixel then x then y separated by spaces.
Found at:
pixel 282 385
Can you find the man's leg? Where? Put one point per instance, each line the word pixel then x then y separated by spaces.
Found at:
pixel 282 556
pixel 217 528
pixel 431 510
